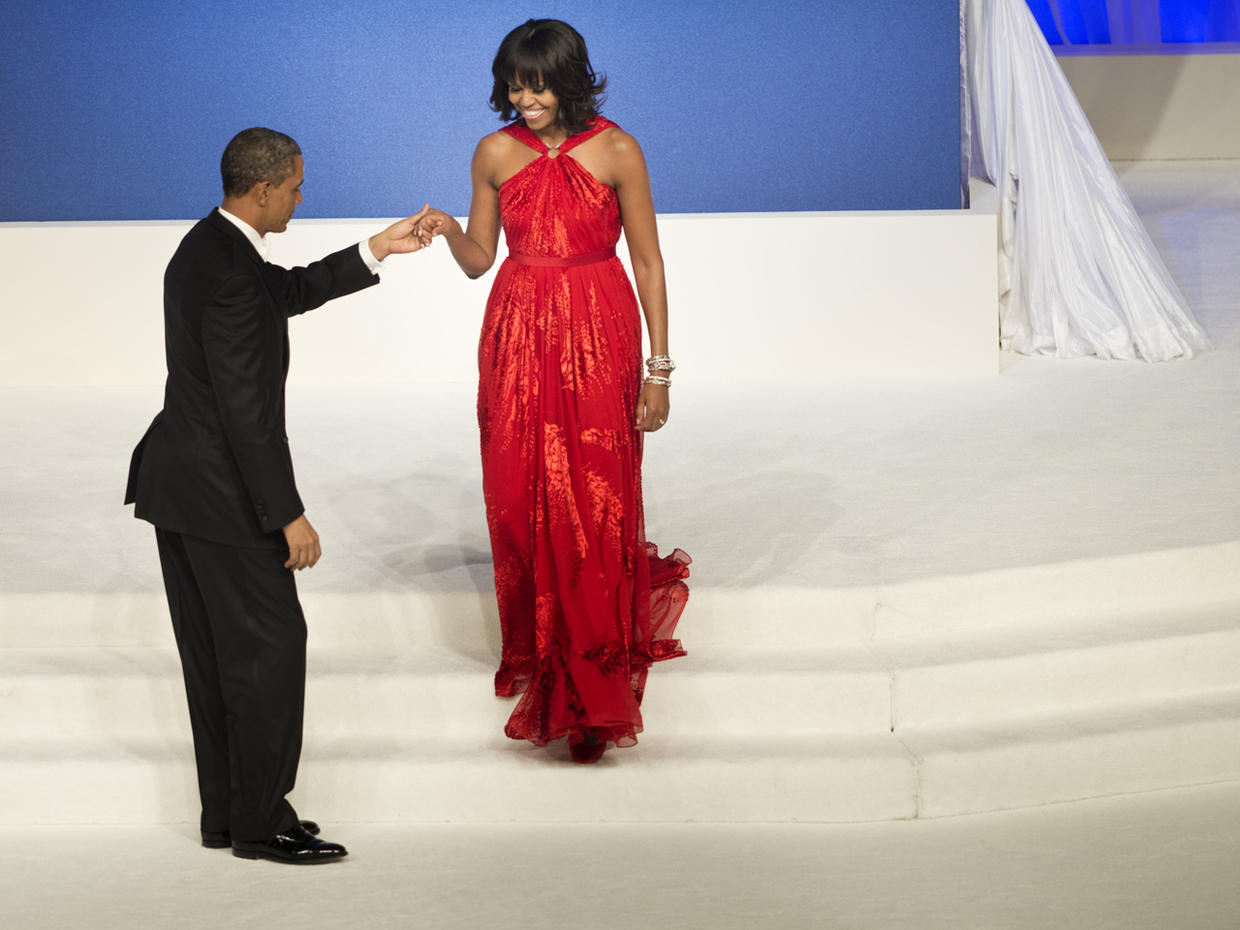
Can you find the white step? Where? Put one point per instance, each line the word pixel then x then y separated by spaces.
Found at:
pixel 1062 757
pixel 1064 681
pixel 930 698
pixel 1064 605
pixel 758 618
pixel 486 779
pixel 482 777
pixel 1012 611
pixel 130 693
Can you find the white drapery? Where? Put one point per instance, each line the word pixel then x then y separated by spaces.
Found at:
pixel 1078 273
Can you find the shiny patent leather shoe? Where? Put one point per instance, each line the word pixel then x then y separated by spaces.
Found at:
pixel 296 847
pixel 222 839
pixel 589 749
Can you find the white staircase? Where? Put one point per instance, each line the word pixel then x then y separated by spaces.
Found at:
pixel 932 698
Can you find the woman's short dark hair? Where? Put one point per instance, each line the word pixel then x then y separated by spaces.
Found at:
pixel 552 53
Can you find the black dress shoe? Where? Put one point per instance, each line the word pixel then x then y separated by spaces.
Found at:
pixel 222 839
pixel 295 846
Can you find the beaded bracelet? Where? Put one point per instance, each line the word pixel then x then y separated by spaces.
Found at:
pixel 660 363
pixel 655 379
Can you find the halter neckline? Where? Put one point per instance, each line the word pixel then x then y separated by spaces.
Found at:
pixel 522 133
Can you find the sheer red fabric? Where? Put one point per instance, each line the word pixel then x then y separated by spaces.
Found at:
pixel 586 605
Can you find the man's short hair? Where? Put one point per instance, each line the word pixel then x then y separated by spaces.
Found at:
pixel 257 155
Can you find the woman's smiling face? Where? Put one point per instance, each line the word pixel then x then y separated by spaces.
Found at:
pixel 536 103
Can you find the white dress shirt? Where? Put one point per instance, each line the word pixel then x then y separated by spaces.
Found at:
pixel 261 246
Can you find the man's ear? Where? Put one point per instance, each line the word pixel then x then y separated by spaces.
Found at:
pixel 261 192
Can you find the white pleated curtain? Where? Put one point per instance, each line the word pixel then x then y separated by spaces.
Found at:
pixel 1078 274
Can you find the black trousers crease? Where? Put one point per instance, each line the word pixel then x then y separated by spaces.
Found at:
pixel 241 634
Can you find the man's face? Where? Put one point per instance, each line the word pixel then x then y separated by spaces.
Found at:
pixel 283 200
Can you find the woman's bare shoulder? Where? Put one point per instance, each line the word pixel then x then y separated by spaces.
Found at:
pixel 495 145
pixel 496 157
pixel 621 147
pixel 623 155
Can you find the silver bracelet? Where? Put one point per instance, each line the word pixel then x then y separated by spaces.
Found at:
pixel 660 363
pixel 655 379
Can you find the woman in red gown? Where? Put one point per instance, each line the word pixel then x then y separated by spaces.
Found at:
pixel 585 603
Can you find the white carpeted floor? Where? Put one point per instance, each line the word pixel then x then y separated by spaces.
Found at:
pixel 1162 861
pixel 808 482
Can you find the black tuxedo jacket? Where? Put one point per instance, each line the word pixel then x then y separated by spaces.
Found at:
pixel 215 461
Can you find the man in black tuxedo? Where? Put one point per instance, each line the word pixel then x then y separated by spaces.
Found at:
pixel 214 475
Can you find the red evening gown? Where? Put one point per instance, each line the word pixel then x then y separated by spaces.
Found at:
pixel 585 603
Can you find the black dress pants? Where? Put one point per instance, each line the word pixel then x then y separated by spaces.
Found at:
pixel 242 638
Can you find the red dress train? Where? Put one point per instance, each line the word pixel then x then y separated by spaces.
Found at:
pixel 585 603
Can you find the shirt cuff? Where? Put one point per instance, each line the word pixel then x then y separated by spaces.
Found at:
pixel 363 249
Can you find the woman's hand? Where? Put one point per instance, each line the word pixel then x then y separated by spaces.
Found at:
pixel 653 406
pixel 402 237
pixel 438 223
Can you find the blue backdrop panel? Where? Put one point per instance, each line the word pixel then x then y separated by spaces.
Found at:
pixel 120 110
pixel 1102 22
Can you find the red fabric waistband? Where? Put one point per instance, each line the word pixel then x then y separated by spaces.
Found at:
pixel 549 261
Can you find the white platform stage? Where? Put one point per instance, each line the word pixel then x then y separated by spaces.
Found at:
pixel 912 598
pixel 897 294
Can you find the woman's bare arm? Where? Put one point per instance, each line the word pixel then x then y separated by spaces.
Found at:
pixel 627 171
pixel 474 247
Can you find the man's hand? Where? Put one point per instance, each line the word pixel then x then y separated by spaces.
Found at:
pixel 401 237
pixel 303 544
